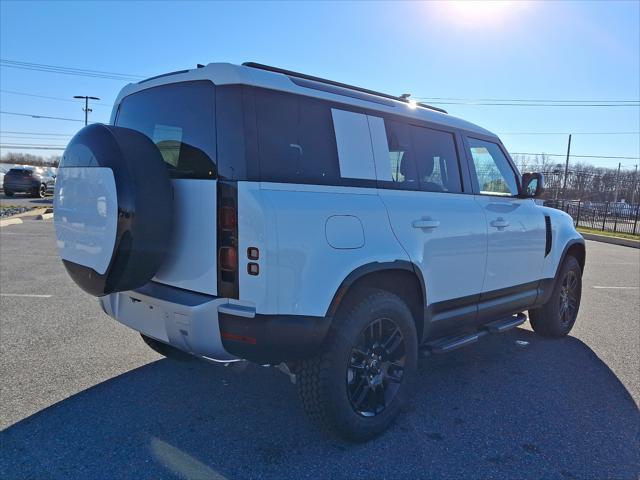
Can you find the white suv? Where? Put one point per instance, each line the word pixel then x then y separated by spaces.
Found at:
pixel 249 212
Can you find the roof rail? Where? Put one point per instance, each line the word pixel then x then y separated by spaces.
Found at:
pixel 291 73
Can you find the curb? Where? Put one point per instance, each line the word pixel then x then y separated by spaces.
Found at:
pixel 626 242
pixel 10 221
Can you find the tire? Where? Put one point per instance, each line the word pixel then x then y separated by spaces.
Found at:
pixel 166 350
pixel 113 192
pixel 336 390
pixel 40 192
pixel 8 193
pixel 557 317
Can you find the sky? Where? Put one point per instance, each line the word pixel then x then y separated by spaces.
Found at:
pixel 557 52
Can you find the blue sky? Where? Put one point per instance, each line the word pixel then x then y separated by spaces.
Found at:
pixel 525 50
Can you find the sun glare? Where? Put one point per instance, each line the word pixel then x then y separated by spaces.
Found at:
pixel 481 11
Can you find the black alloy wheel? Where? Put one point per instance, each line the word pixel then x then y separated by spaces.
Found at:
pixel 376 367
pixel 568 298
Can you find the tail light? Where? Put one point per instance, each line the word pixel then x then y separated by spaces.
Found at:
pixel 227 239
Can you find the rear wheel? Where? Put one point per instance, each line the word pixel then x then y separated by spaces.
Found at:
pixel 40 192
pixel 358 385
pixel 8 193
pixel 557 317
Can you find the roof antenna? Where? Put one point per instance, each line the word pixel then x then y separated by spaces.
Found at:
pixel 199 65
pixel 405 97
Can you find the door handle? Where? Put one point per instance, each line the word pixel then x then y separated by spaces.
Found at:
pixel 499 223
pixel 426 223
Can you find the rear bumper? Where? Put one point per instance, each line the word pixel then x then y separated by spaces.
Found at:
pixel 211 327
pixel 183 319
pixel 272 338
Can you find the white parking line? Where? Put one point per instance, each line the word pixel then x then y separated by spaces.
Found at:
pixel 31 295
pixel 618 288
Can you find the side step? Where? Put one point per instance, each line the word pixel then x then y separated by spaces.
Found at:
pixel 446 344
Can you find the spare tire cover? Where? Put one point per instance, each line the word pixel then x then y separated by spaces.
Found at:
pixel 113 209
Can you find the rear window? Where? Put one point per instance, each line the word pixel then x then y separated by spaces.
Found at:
pixel 20 171
pixel 179 119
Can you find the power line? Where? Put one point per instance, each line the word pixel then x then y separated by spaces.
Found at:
pixel 49 98
pixel 572 155
pixel 523 100
pixel 569 133
pixel 22 137
pixel 38 133
pixel 32 147
pixel 40 116
pixel 68 70
pixel 538 104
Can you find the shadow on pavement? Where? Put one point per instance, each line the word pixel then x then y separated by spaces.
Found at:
pixel 547 409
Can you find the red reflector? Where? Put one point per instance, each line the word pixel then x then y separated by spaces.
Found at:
pixel 228 258
pixel 253 269
pixel 253 253
pixel 238 338
pixel 227 218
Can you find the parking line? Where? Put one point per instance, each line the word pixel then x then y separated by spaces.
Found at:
pixel 617 288
pixel 31 295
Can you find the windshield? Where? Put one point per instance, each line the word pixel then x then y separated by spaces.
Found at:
pixel 179 119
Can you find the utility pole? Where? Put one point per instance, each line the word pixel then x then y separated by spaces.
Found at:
pixel 617 183
pixel 566 170
pixel 635 186
pixel 86 106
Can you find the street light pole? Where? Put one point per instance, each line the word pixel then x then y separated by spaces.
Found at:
pixel 86 106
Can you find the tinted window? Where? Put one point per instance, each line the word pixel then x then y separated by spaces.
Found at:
pixel 492 169
pixel 179 119
pixel 296 140
pixel 403 167
pixel 23 172
pixel 436 159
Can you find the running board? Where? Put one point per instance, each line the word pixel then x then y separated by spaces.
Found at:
pixel 447 344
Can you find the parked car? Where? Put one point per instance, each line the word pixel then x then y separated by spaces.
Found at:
pixel 2 173
pixel 249 212
pixel 29 180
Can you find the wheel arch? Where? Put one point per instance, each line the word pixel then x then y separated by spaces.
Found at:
pixel 400 277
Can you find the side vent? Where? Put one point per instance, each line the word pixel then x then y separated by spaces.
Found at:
pixel 549 238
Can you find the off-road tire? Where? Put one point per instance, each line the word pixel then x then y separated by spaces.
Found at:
pixel 322 380
pixel 547 320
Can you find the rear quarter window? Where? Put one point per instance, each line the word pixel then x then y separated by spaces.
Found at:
pixel 180 119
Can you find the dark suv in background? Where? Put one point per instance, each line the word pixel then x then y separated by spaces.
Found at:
pixel 27 180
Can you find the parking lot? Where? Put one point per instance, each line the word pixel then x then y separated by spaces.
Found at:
pixel 24 200
pixel 83 397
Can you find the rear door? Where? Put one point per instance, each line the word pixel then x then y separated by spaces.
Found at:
pixel 437 222
pixel 180 119
pixel 516 227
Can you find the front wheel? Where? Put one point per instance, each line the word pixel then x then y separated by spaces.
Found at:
pixel 40 192
pixel 358 385
pixel 557 317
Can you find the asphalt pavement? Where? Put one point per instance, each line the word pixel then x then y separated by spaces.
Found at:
pixel 25 200
pixel 82 397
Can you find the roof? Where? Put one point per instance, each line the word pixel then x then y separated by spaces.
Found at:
pixel 272 78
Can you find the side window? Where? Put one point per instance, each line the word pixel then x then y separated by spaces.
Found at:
pixel 436 160
pixel 493 171
pixel 296 141
pixel 353 139
pixel 403 166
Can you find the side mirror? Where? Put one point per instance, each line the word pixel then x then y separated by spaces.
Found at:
pixel 532 185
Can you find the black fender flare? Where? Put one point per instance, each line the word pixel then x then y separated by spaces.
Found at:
pixel 373 267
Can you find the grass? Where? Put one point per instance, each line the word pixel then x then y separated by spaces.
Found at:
pixel 607 233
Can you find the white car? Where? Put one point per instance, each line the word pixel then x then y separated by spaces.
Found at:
pixel 248 212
